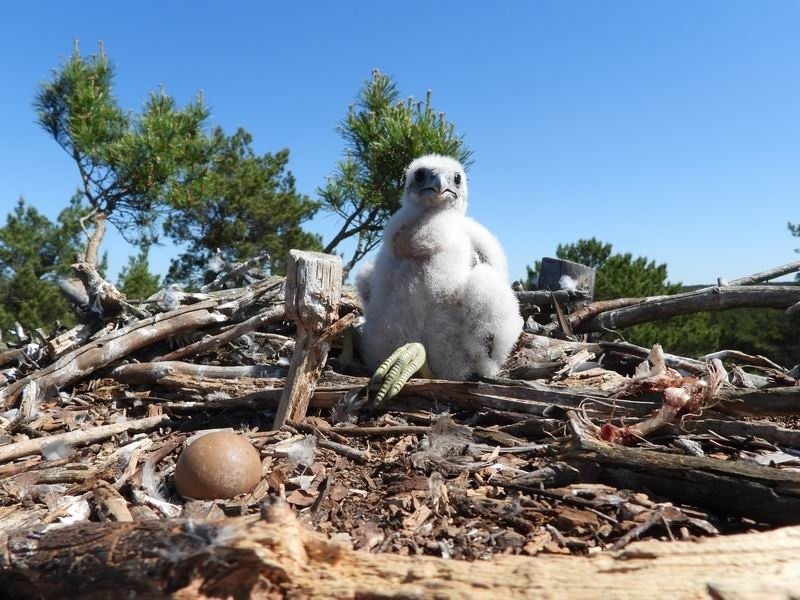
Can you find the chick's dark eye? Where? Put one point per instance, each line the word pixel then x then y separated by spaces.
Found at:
pixel 419 175
pixel 457 178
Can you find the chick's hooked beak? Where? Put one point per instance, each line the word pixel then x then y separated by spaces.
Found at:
pixel 439 185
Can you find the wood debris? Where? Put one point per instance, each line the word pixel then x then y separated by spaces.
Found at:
pixel 580 448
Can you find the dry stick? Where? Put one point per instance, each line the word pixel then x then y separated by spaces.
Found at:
pixel 767 275
pixel 746 429
pixel 690 365
pixel 313 291
pixel 707 299
pixel 238 268
pixel 428 393
pixel 535 401
pixel 588 311
pixel 79 437
pixel 545 297
pixel 270 315
pixel 143 373
pixel 757 360
pixel 387 431
pixel 565 497
pixel 353 454
pixel 86 359
pixel 634 534
pixel 111 503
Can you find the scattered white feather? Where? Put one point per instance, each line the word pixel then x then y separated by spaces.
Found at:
pixel 9 375
pixel 77 510
pixel 153 492
pixel 215 263
pixel 567 283
pixel 298 449
pixel 303 481
pixel 56 450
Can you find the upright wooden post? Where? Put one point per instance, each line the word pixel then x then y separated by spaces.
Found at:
pixel 313 292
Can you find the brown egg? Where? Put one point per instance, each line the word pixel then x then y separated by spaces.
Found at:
pixel 217 465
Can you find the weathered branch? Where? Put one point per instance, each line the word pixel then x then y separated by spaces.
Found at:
pixel 266 317
pixel 706 299
pixel 233 272
pixel 79 437
pixel 95 238
pixel 545 298
pixel 143 373
pixel 780 401
pixel 762 493
pixel 88 358
pixel 767 275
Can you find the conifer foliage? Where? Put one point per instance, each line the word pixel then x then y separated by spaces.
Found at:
pixel 382 135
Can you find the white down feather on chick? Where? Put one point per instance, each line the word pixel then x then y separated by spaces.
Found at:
pixel 440 278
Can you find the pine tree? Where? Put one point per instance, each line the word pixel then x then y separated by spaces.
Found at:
pixel 34 251
pixel 246 205
pixel 161 167
pixel 135 280
pixel 132 168
pixel 382 135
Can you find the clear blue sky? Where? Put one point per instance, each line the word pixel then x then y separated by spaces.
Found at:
pixel 670 129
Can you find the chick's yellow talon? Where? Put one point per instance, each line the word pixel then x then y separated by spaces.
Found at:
pixel 396 370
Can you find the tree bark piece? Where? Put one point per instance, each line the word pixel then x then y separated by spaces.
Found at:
pixel 69 340
pixel 313 291
pixel 276 557
pixel 773 402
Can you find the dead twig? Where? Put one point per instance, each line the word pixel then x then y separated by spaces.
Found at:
pixel 768 274
pixel 80 437
pixel 262 319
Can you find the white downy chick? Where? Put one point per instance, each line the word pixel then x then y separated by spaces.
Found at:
pixel 440 278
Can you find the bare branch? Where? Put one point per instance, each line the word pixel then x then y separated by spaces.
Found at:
pixel 767 275
pixel 706 299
